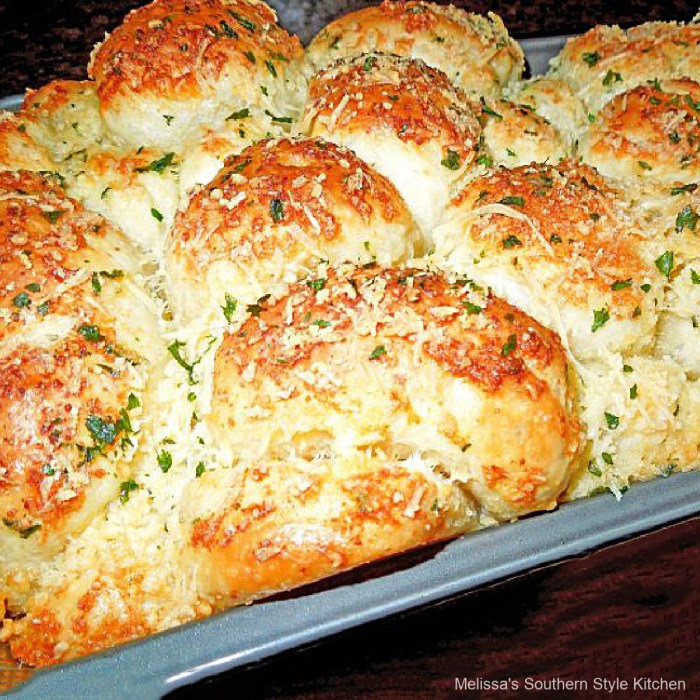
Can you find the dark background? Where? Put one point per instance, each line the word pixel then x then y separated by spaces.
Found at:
pixel 627 611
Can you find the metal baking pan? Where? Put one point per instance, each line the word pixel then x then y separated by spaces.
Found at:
pixel 150 668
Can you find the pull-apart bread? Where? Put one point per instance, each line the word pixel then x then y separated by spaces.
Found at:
pixel 268 315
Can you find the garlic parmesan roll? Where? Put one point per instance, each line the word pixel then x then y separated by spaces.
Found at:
pixel 475 52
pixel 559 243
pixel 271 215
pixel 607 61
pixel 408 364
pixel 77 342
pixel 18 150
pixel 650 133
pixel 405 119
pixel 175 67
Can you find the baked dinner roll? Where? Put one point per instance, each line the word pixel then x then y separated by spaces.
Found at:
pixel 274 525
pixel 77 342
pixel 18 150
pixel 407 364
pixel 607 61
pixel 514 134
pixel 649 133
pixel 475 52
pixel 270 216
pixel 405 119
pixel 553 99
pixel 559 243
pixel 138 191
pixel 643 421
pixel 176 66
pixel 63 116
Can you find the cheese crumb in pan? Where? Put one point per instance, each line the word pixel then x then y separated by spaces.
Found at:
pixel 475 52
pixel 175 67
pixel 405 119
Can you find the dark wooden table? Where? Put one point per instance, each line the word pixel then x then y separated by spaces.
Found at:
pixel 628 611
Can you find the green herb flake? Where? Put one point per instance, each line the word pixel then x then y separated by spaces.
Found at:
pixel 43 308
pixel 594 469
pixel 512 242
pixel 322 323
pixel 22 300
pixel 246 23
pixel 369 63
pixel 276 210
pixel 271 67
pixel 168 118
pixel 157 166
pixel 509 345
pixel 165 461
pixel 694 276
pixel 199 469
pixel 684 188
pixel 156 214
pixel 451 162
pixel 240 114
pixel 484 160
pixel 91 333
pixel 644 165
pixel 132 402
pixel 53 216
pixel 611 77
pixel 377 352
pixel 96 284
pixel 487 110
pixel 472 309
pixel 279 120
pixel 126 488
pixel 646 287
pixel 591 58
pixel 512 201
pixel 621 284
pixel 251 57
pixel 633 391
pixel 229 307
pixel 33 287
pixel 687 218
pixel 607 458
pixel 600 318
pixel 317 285
pixel 103 432
pixel 664 263
pixel 627 369
pixel 612 421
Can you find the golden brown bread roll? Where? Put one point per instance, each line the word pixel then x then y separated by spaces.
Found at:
pixel 73 370
pixel 475 52
pixel 18 150
pixel 560 243
pixel 271 214
pixel 405 119
pixel 175 67
pixel 649 133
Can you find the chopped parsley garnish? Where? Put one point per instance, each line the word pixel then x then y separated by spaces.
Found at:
pixel 174 350
pixel 103 432
pixel 199 469
pixel 369 63
pixel 53 216
pixel 621 284
pixel 168 118
pixel 251 57
pixel 33 287
pixel 227 30
pixel 633 391
pixel 644 165
pixel 691 103
pixel 276 210
pixel 240 167
pixel 105 191
pixel 279 120
pixel 484 160
pixel 250 26
pixel 377 352
pixel 594 469
pixel 132 402
pixel 48 470
pixel 612 421
pixel 43 308
pixel 591 117
pixel 271 67
pixel 165 461
pixel 684 188
pixel 91 333
pixel 487 110
pixel 668 470
pixel 22 300
pixel 627 368
pixel 610 77
pixel 600 318
pixel 510 201
pixel 96 284
pixel 317 285
pixel 607 457
pixel 321 323
pixel 509 345
pixel 472 309
pixel 511 242
pixel 591 58
pixel 157 166
pixel 125 488
pixel 664 263
pixel 687 218
pixel 452 160
pixel 240 114
pixel 554 238
pixel 646 287
pixel 156 214
pixel 694 276
pixel 229 307
pixel 511 152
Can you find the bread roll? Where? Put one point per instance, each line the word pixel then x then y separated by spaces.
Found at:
pixel 475 52
pixel 270 216
pixel 559 243
pixel 175 67
pixel 77 343
pixel 405 119
pixel 18 150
